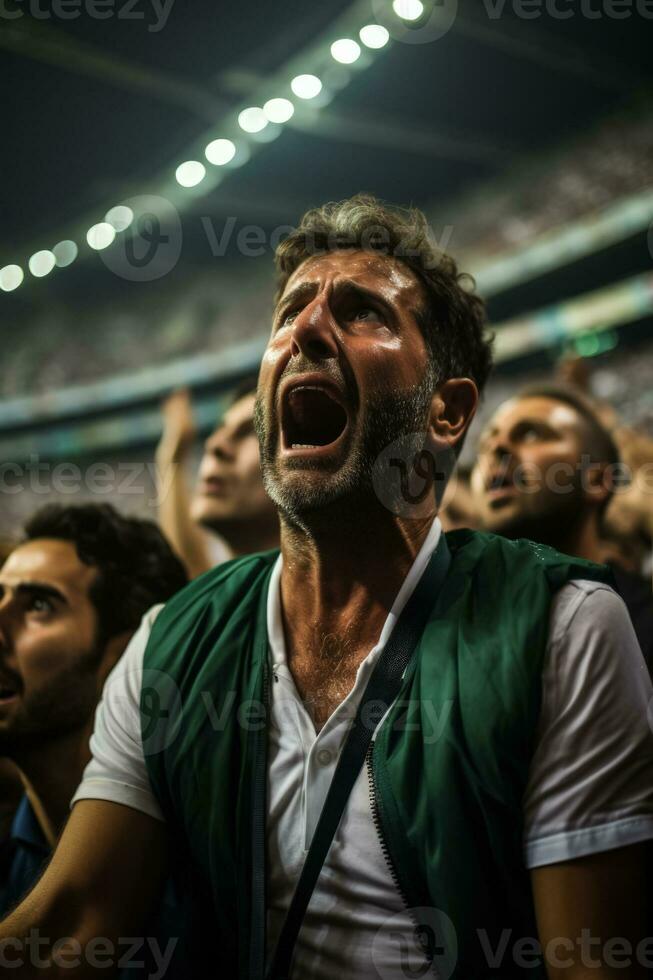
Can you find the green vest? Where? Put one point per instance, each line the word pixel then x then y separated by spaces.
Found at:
pixel 446 795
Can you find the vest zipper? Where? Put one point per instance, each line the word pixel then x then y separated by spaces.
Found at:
pixel 258 910
pixel 378 825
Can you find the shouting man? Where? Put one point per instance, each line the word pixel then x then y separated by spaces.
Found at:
pixel 504 802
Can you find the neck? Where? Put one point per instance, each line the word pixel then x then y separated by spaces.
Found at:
pixel 250 536
pixel 341 579
pixel 584 540
pixel 579 537
pixel 51 773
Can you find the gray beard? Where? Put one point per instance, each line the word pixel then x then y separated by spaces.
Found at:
pixel 388 417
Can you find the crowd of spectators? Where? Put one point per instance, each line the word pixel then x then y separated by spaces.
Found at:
pixel 555 463
pixel 587 174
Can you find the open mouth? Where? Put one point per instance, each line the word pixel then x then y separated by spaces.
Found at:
pixel 7 693
pixel 213 486
pixel 312 418
pixel 500 485
pixel 500 481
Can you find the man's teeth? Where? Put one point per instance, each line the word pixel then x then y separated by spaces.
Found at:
pixel 303 445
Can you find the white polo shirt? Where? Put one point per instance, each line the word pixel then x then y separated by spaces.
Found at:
pixel 590 787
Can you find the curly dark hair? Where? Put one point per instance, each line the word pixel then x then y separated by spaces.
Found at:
pixel 453 318
pixel 136 566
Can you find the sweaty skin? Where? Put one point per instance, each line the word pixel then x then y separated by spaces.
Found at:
pixel 343 565
pixel 51 662
pixel 533 448
pixel 349 317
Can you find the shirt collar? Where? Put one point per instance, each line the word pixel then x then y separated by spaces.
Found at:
pixel 25 828
pixel 275 622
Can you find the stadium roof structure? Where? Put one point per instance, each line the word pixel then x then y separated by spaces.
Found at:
pixel 111 101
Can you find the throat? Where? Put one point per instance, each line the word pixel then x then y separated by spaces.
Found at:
pixel 324 674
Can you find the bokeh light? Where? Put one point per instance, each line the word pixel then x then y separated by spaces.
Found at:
pixel 220 151
pixel 190 173
pixel 306 86
pixel 41 263
pixel 100 236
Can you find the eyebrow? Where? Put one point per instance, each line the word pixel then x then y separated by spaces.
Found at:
pixel 539 423
pixel 486 433
pixel 303 291
pixel 41 589
pixel 346 286
pixel 244 428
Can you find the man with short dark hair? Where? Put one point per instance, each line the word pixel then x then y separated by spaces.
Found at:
pixel 459 831
pixel 546 470
pixel 72 593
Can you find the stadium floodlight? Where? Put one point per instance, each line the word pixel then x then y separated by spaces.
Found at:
pixel 100 236
pixel 11 277
pixel 65 253
pixel 252 120
pixel 120 217
pixel 306 86
pixel 41 263
pixel 263 123
pixel 345 51
pixel 374 36
pixel 190 173
pixel 220 151
pixel 278 110
pixel 408 9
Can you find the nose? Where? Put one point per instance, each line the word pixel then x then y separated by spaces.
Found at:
pixel 219 445
pixel 5 617
pixel 314 332
pixel 497 445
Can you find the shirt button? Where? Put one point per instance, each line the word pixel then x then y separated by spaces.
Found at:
pixel 324 757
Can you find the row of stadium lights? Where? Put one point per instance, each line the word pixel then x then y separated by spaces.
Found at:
pixel 219 152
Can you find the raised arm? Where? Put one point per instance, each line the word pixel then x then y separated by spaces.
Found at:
pixel 188 540
pixel 100 885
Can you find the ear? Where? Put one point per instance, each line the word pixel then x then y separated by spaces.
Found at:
pixel 113 651
pixel 598 482
pixel 452 409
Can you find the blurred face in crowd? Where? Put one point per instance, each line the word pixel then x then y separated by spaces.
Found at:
pixel 49 659
pixel 230 488
pixel 527 481
pixel 345 373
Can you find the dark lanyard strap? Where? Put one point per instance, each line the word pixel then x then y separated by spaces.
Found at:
pixel 381 690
